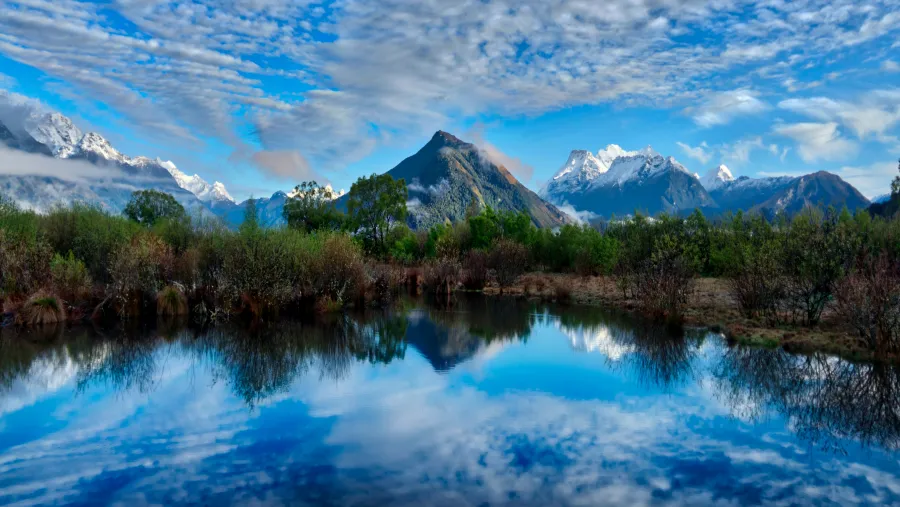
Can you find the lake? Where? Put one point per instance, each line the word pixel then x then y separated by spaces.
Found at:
pixel 484 401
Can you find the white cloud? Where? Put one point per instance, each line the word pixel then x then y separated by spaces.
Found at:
pixel 581 217
pixel 873 179
pixel 873 115
pixel 699 153
pixel 818 141
pixel 286 165
pixel 724 107
pixel 361 73
pixel 739 151
pixel 890 66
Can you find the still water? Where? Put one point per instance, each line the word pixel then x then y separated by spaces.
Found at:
pixel 484 402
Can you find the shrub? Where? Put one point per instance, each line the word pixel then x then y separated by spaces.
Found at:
pixel 442 275
pixel 509 259
pixel 562 291
pixel 138 270
pixel 757 283
pixel 42 308
pixel 24 264
pixel 340 272
pixel 869 300
pixel 475 274
pixel 90 233
pixel 814 260
pixel 384 282
pixel 170 301
pixel 665 281
pixel 70 278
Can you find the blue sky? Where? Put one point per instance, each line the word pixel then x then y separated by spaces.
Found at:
pixel 262 94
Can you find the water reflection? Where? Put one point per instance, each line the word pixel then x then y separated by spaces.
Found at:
pixel 533 404
pixel 828 401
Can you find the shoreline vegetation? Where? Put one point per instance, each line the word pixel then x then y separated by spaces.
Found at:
pixel 823 280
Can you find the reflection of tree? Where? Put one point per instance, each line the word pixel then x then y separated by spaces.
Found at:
pixel 825 399
pixel 256 363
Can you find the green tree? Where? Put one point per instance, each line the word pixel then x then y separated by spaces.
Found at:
pixel 312 208
pixel 146 207
pixel 895 185
pixel 375 204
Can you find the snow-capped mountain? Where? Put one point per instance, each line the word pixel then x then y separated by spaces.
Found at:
pixel 620 182
pixel 47 182
pixel 716 177
pixel 335 194
pixel 197 185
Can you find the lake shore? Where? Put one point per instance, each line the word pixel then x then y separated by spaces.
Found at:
pixel 709 305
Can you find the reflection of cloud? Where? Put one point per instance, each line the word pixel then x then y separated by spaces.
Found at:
pixel 45 376
pixel 402 434
pixel 597 338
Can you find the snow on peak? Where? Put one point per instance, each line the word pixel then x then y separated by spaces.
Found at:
pixel 716 177
pixel 612 165
pixel 55 131
pixel 96 144
pixel 197 185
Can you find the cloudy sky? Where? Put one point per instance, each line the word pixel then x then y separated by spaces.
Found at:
pixel 261 94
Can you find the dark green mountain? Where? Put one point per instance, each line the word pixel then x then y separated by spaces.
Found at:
pixel 447 174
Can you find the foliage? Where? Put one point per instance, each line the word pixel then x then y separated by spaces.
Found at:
pixel 170 301
pixel 442 275
pixel 869 300
pixel 138 270
pixel 509 260
pixel 147 207
pixel 70 278
pixel 42 308
pixel 475 275
pixel 339 272
pixel 665 280
pixel 312 208
pixel 376 204
pixel 90 233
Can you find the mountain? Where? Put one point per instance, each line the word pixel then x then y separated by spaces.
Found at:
pixel 268 210
pixel 447 174
pixel 619 182
pixel 787 194
pixel 881 198
pixel 108 181
pixel 717 177
pixel 198 186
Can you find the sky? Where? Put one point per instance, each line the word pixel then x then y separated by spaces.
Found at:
pixel 264 94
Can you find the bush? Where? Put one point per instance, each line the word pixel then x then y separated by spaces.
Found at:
pixel 170 301
pixel 138 270
pixel 757 283
pixel 665 281
pixel 475 273
pixel 869 300
pixel 340 271
pixel 70 278
pixel 91 234
pixel 442 275
pixel 509 260
pixel 24 264
pixel 41 308
pixel 384 282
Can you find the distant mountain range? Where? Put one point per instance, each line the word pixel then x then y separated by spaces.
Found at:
pixel 444 177
pixel 447 175
pixel 616 182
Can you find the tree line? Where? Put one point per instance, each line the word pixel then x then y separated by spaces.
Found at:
pixel 80 260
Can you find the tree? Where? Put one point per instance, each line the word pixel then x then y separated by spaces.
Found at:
pixel 895 185
pixel 312 208
pixel 146 207
pixel 375 204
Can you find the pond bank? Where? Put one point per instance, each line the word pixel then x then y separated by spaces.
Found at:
pixel 709 305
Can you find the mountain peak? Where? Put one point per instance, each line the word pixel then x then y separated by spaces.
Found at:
pixel 442 139
pixel 716 177
pixel 55 131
